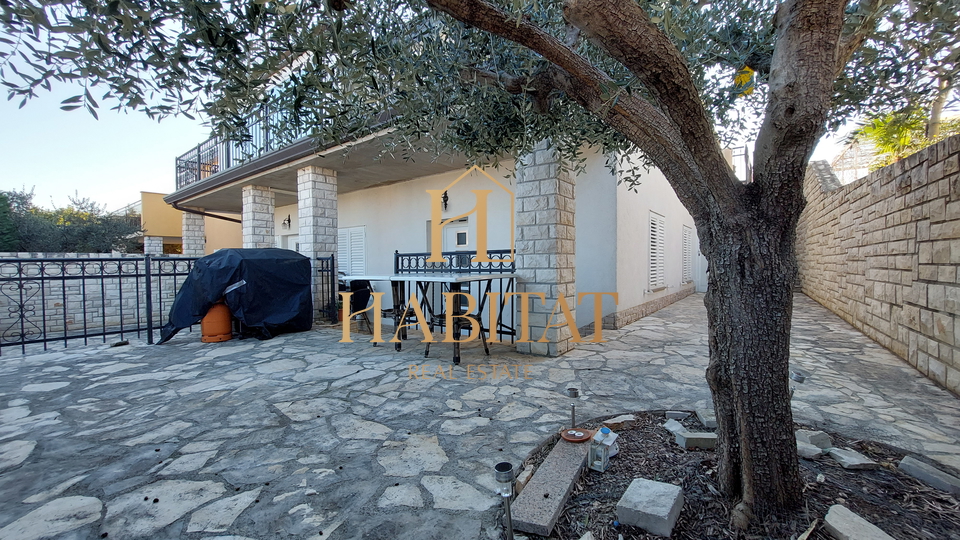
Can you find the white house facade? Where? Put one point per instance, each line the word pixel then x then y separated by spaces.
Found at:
pixel 572 233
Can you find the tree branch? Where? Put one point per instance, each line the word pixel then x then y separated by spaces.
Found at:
pixel 638 120
pixel 803 70
pixel 623 29
pixel 869 12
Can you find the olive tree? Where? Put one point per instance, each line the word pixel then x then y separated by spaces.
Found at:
pixel 491 78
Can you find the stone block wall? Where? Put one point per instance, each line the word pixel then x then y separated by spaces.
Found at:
pixel 153 245
pixel 883 253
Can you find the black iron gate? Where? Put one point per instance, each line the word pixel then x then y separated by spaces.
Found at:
pixel 327 284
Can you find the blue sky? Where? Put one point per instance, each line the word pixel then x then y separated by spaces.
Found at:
pixel 110 160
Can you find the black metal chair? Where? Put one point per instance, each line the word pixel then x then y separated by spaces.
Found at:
pixel 361 290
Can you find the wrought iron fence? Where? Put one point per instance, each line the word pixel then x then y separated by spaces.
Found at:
pixel 51 300
pixel 267 129
pixel 455 262
pixel 327 284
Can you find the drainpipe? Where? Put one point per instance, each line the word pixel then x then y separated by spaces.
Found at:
pixel 199 213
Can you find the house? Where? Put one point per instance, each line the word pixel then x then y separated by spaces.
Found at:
pixel 163 224
pixel 582 233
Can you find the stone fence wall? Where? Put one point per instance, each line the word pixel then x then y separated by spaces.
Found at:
pixel 884 254
pixel 64 296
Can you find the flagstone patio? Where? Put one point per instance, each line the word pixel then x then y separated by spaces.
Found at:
pixel 305 437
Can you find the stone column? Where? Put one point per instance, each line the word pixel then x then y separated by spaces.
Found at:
pixel 257 217
pixel 153 245
pixel 545 248
pixel 194 235
pixel 317 208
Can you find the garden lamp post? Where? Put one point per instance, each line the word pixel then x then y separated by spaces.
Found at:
pixel 504 476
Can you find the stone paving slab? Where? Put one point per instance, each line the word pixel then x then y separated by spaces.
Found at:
pixel 347 440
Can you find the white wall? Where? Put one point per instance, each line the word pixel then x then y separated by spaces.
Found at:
pixel 286 238
pixel 395 216
pixel 633 246
pixel 596 224
pixel 612 227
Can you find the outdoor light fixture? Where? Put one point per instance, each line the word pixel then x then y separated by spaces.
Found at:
pixel 445 199
pixel 796 376
pixel 504 476
pixel 286 223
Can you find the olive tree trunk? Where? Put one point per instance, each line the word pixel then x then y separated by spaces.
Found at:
pixel 749 304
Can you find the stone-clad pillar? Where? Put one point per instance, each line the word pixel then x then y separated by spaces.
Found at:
pixel 193 235
pixel 317 208
pixel 257 218
pixel 545 247
pixel 153 245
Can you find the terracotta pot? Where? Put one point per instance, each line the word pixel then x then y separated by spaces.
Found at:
pixel 217 324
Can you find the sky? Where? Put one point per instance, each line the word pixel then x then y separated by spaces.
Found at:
pixel 111 160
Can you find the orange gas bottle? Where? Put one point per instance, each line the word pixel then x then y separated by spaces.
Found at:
pixel 217 324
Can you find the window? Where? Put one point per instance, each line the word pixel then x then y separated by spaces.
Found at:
pixel 461 238
pixel 687 254
pixel 351 251
pixel 658 277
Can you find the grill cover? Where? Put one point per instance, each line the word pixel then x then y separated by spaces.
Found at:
pixel 268 290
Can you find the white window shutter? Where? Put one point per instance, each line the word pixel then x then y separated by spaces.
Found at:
pixel 657 247
pixel 687 254
pixel 358 251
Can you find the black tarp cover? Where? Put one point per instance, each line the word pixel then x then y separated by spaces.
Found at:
pixel 275 299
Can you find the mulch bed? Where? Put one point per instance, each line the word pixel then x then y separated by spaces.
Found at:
pixel 902 506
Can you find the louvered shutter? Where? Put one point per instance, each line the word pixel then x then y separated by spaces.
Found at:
pixel 687 254
pixel 358 251
pixel 657 247
pixel 352 251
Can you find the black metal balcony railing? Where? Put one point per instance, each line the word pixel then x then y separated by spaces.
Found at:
pixel 455 262
pixel 267 129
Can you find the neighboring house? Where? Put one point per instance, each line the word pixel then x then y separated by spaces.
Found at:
pixel 163 227
pixel 584 234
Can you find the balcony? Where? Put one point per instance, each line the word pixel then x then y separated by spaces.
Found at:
pixel 268 129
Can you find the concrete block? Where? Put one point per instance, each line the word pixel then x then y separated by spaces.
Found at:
pixel 674 427
pixel 652 506
pixel 677 415
pixel 538 507
pixel 930 475
pixel 624 421
pixel 696 439
pixel 850 459
pixel 808 451
pixel 707 417
pixel 816 438
pixel 843 524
